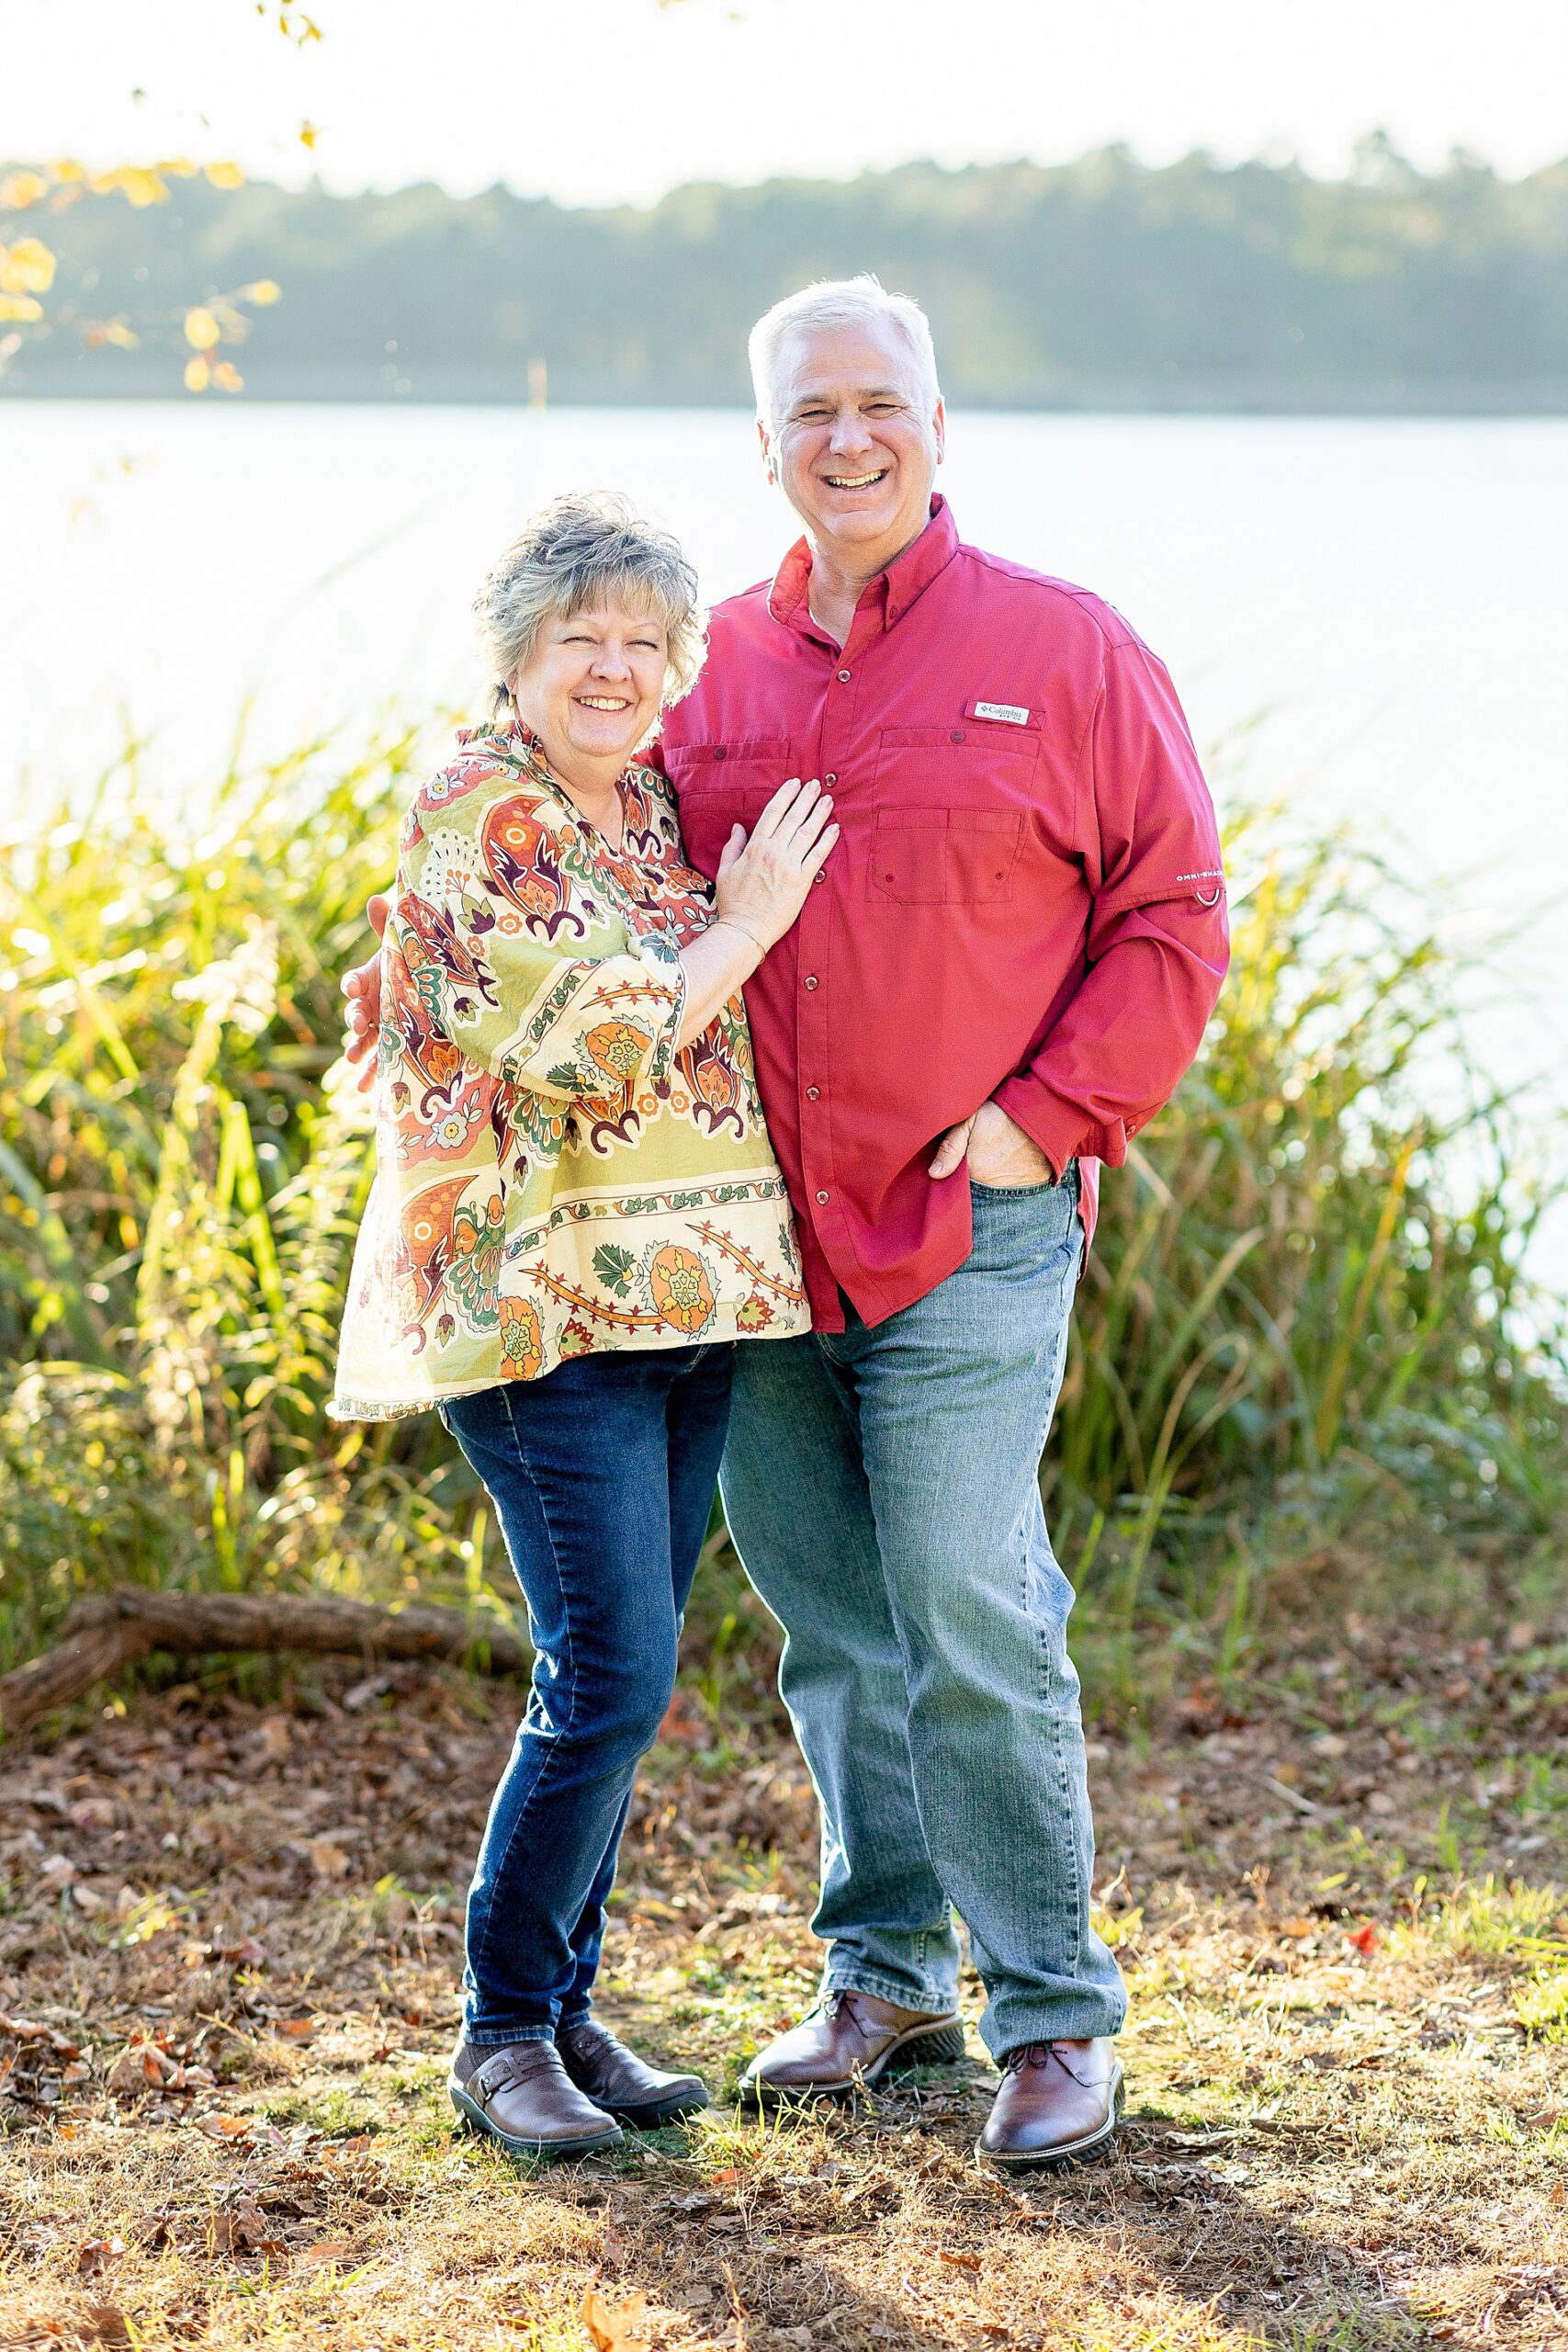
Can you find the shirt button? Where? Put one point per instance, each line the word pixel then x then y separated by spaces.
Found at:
pixel 822 1200
pixel 843 677
pixel 830 777
pixel 813 1091
pixel 810 981
pixel 820 874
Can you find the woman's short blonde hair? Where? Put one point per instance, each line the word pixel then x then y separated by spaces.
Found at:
pixel 581 549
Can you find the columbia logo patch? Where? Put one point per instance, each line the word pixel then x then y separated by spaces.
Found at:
pixel 1015 714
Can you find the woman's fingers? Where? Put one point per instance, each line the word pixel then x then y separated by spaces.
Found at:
pixel 733 848
pixel 817 855
pixel 786 804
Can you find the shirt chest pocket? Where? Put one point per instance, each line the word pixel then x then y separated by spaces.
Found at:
pixel 720 786
pixel 949 820
pixel 943 857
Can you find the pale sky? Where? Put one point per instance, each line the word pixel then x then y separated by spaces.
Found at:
pixel 596 101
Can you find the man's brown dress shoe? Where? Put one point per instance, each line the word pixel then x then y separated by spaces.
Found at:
pixel 522 2095
pixel 616 2078
pixel 848 2039
pixel 1058 2104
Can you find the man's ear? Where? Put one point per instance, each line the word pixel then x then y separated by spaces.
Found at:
pixel 764 442
pixel 938 426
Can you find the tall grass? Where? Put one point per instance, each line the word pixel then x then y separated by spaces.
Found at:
pixel 1305 1302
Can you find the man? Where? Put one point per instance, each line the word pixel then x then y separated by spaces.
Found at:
pixel 1001 975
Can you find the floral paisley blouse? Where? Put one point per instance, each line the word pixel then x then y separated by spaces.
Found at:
pixel 554 1174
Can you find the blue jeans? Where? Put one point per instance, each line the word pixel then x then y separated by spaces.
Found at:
pixel 603 1477
pixel 883 1488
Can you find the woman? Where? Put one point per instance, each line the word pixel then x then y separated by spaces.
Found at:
pixel 576 1212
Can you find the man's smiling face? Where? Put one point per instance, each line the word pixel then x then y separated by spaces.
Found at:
pixel 855 446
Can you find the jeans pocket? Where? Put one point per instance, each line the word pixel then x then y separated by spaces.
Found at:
pixel 1066 1183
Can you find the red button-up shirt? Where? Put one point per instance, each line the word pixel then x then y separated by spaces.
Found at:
pixel 1025 903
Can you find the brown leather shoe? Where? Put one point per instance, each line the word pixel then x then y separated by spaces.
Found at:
pixel 847 2039
pixel 522 2095
pixel 616 2079
pixel 1059 2104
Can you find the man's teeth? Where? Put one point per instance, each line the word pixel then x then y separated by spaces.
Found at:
pixel 855 481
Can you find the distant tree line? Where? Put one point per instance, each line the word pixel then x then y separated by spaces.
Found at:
pixel 1104 282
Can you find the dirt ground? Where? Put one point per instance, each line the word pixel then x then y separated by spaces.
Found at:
pixel 227 1960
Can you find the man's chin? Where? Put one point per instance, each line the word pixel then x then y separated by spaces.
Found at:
pixel 858 526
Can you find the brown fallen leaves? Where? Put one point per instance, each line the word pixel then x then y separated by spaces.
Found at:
pixel 613 2325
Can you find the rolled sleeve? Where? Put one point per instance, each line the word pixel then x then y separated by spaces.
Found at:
pixel 1157 942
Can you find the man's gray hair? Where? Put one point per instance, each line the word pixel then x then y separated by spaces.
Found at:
pixel 583 548
pixel 840 302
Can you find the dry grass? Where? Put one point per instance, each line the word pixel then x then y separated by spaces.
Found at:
pixel 1348 2067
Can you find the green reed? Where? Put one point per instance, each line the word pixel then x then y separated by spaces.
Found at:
pixel 1305 1302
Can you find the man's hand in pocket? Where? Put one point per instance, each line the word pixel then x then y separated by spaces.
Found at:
pixel 998 1150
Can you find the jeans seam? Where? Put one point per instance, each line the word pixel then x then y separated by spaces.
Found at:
pixel 1081 1894
pixel 476 1954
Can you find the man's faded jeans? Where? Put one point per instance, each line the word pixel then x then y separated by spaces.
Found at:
pixel 882 1486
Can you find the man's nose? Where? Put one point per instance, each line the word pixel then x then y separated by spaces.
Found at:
pixel 850 432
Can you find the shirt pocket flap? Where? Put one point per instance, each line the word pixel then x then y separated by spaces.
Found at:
pixel 717 767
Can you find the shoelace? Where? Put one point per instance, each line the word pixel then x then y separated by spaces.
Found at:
pixel 842 2003
pixel 1038 2054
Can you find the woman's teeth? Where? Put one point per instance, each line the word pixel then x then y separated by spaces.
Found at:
pixel 602 702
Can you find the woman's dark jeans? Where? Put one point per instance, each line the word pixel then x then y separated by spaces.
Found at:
pixel 603 1477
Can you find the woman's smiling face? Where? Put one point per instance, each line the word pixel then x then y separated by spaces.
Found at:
pixel 592 687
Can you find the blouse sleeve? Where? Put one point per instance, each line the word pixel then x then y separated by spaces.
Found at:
pixel 481 933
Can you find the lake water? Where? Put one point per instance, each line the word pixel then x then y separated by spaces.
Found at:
pixel 1375 612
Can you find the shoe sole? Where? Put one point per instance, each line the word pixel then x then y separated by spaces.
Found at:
pixel 473 2115
pixel 662 2111
pixel 926 2045
pixel 1087 2151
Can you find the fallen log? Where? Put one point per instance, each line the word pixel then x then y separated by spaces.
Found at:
pixel 104 1633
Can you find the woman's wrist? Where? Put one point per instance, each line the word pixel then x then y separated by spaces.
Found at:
pixel 733 922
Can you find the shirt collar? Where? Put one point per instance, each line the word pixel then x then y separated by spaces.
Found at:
pixel 906 579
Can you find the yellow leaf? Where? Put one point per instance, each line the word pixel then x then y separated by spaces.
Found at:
pixel 26 267
pixel 67 169
pixel 178 167
pixel 198 375
pixel 266 289
pixel 308 133
pixel 20 306
pixel 139 185
pixel 122 337
pixel 227 377
pixel 225 176
pixel 22 189
pixel 201 329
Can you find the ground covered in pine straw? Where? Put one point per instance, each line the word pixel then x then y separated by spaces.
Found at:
pixel 227 1971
